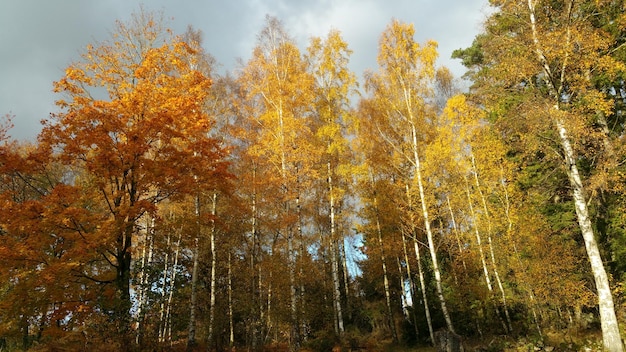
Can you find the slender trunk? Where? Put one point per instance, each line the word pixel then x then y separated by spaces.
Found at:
pixel 478 237
pixel 482 253
pixel 490 243
pixel 146 259
pixel 122 282
pixel 509 232
pixel 162 323
pixel 294 345
pixel 386 284
pixel 213 271
pixel 419 266
pixel 191 338
pixel 231 326
pixel 294 333
pixel 420 271
pixel 455 228
pixel 344 266
pixel 333 256
pixel 429 234
pixel 610 327
pixel 403 298
pixel 385 276
pixel 167 328
pixel 255 276
pixel 300 264
pixel 268 323
pixel 409 274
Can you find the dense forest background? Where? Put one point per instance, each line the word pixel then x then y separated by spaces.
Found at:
pixel 293 205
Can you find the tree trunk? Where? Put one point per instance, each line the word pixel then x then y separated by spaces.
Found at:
pixel 300 264
pixel 409 275
pixel 122 282
pixel 420 271
pixel 333 256
pixel 610 327
pixel 412 288
pixel 294 336
pixel 403 298
pixel 162 323
pixel 455 228
pixel 490 243
pixel 213 271
pixel 478 238
pixel 482 253
pixel 346 274
pixel 509 231
pixel 255 285
pixel 231 326
pixel 385 276
pixel 429 234
pixel 167 330
pixel 146 259
pixel 191 338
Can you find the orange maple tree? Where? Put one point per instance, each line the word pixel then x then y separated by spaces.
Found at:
pixel 134 127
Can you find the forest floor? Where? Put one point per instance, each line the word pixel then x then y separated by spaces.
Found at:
pixel 552 341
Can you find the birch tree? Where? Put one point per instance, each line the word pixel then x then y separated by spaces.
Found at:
pixel 334 82
pixel 277 79
pixel 545 53
pixel 402 89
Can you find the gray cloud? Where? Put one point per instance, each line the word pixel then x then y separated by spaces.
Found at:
pixel 40 38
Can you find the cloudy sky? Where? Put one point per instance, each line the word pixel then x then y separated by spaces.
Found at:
pixel 39 38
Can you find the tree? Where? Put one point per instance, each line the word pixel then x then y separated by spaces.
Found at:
pixel 276 80
pixel 543 55
pixel 328 60
pixel 133 120
pixel 401 90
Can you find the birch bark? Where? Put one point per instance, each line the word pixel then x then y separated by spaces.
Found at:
pixel 610 328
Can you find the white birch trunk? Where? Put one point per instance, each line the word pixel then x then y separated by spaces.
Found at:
pixel 385 276
pixel 481 252
pixel 429 234
pixel 346 274
pixel 162 323
pixel 455 228
pixel 420 271
pixel 478 238
pixel 257 316
pixel 167 329
pixel 300 264
pixel 412 288
pixel 610 328
pixel 146 259
pixel 213 271
pixel 409 275
pixel 403 298
pixel 333 256
pixel 231 326
pixel 490 243
pixel 191 338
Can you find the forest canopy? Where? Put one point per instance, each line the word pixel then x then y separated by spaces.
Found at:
pixel 293 205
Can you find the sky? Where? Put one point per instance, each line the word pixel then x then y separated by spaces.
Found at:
pixel 40 38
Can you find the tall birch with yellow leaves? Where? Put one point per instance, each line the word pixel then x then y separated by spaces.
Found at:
pixel 334 82
pixel 402 89
pixel 537 59
pixel 277 80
